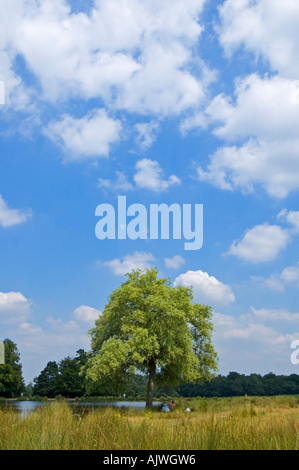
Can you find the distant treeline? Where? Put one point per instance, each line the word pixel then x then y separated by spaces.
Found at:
pixel 238 384
pixel 234 384
pixel 65 378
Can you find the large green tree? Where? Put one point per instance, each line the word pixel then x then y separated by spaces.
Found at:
pixel 11 378
pixel 150 327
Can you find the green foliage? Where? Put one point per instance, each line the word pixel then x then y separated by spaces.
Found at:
pixel 151 328
pixel 11 378
pixel 46 384
pixel 28 391
pixel 239 385
pixel 63 378
pixel 71 383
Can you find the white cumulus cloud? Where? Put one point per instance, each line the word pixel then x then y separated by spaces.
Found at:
pixel 14 308
pixel 86 314
pixel 87 137
pixel 255 342
pixel 147 133
pixel 261 243
pixel 259 128
pixel 135 55
pixel 258 121
pixel 121 183
pixel 268 28
pixel 292 217
pixel 206 289
pixel 175 262
pixel 290 274
pixel 126 264
pixel 10 217
pixel 149 175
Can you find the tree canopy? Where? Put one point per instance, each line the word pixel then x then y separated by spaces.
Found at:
pixel 62 378
pixel 152 328
pixel 11 378
pixel 46 384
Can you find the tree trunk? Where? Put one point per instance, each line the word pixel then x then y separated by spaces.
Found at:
pixel 151 383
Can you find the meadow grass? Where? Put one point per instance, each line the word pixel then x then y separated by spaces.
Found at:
pixel 240 423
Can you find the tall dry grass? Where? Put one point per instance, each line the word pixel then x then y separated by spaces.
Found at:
pixel 260 423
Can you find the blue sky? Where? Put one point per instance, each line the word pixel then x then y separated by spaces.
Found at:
pixel 193 102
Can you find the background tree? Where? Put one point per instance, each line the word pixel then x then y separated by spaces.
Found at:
pixel 11 378
pixel 28 392
pixel 153 328
pixel 63 378
pixel 71 383
pixel 47 383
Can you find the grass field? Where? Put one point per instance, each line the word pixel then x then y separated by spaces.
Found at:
pixel 244 423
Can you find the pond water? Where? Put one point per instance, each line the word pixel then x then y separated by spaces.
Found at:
pixel 25 407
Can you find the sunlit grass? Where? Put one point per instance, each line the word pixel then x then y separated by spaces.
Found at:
pixel 257 423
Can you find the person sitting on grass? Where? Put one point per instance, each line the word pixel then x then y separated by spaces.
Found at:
pixel 165 408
